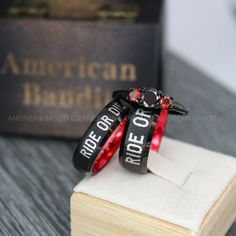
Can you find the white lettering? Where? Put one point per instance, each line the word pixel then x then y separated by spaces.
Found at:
pixel 134 148
pixel 115 109
pixel 104 123
pixel 134 139
pixel 90 144
pixel 132 161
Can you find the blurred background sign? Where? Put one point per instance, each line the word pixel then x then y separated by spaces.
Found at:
pixel 59 72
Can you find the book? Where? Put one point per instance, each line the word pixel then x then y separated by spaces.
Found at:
pixel 117 202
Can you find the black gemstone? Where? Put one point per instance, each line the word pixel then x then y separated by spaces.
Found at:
pixel 150 98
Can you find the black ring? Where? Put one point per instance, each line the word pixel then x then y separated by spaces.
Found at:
pixel 97 134
pixel 136 141
pixel 151 98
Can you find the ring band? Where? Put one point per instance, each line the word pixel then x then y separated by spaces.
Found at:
pixel 144 130
pixel 151 98
pixel 102 138
pixel 151 109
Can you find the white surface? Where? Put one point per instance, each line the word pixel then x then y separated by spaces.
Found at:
pixel 167 169
pixel 186 205
pixel 203 33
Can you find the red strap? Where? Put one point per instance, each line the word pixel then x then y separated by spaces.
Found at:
pixel 159 130
pixel 109 148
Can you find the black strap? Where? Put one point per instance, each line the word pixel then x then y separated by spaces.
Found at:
pixel 137 139
pixel 97 134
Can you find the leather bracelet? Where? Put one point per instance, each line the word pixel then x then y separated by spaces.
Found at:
pixel 102 138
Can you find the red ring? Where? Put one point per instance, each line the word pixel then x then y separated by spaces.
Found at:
pixel 159 130
pixel 109 148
